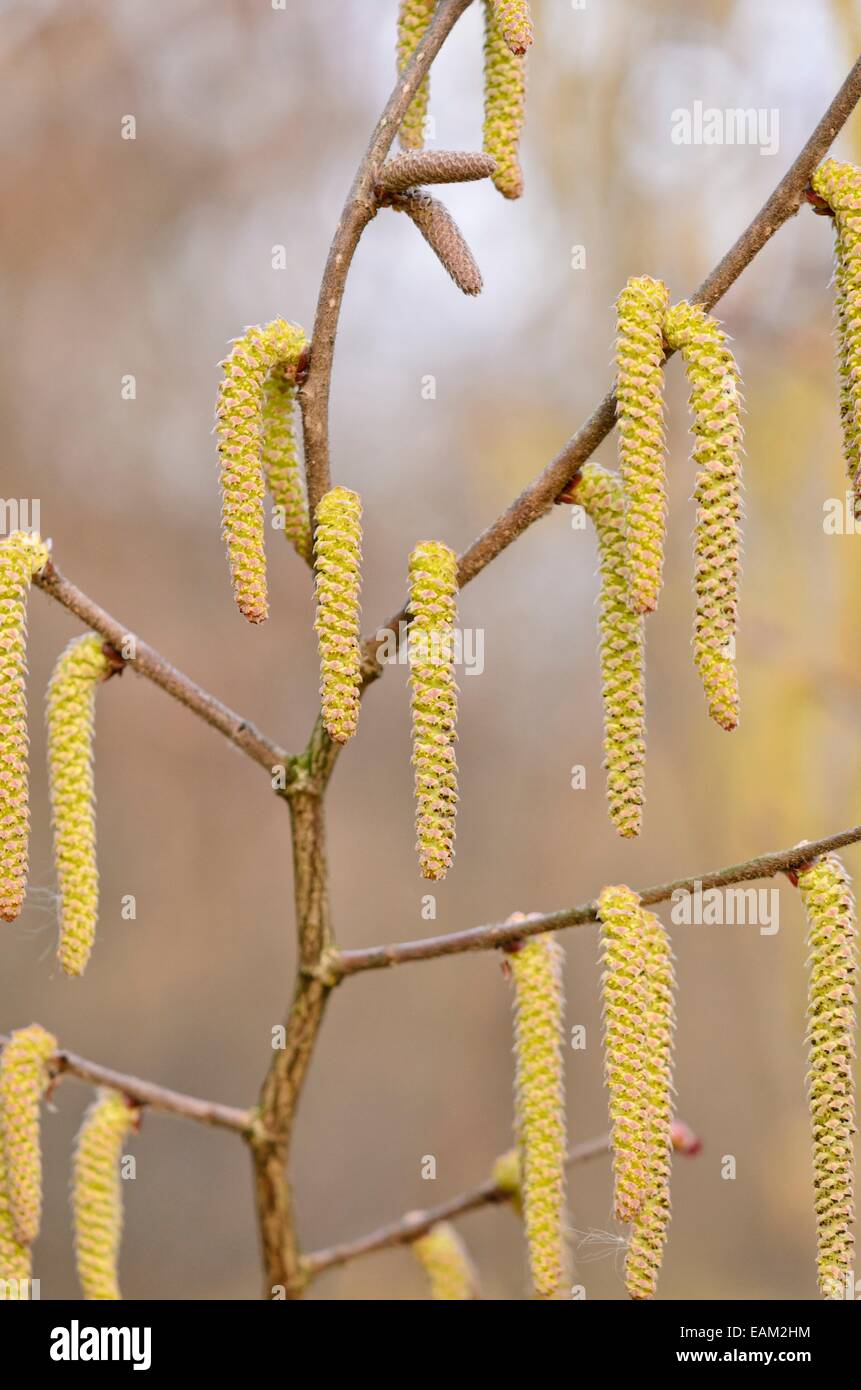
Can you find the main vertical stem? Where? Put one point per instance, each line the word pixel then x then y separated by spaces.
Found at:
pixel 282 1087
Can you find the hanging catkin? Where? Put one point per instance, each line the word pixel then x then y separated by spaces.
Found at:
pixel 24 1077
pixel 21 556
pixel 649 1232
pixel 338 550
pixel 71 701
pixel 839 185
pixel 430 645
pixel 242 405
pixel 96 1193
pixel 281 467
pixel 831 1024
pixel 505 1175
pixel 536 969
pixel 16 1261
pixel 445 1260
pixel 640 311
pixel 515 21
pixel 504 105
pixel 715 401
pixel 625 999
pixel 414 16
pixel 622 650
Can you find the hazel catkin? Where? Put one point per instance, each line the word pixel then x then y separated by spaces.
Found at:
pixel 16 1260
pixel 430 648
pixel 243 414
pixel 71 702
pixel 97 1192
pixel 622 653
pixel 504 105
pixel 715 401
pixel 21 556
pixel 279 455
pixel 640 310
pixel 414 16
pixel 649 1231
pixel 338 551
pixel 831 1024
pixel 445 1260
pixel 515 21
pixel 839 185
pixel 624 993
pixel 536 968
pixel 24 1078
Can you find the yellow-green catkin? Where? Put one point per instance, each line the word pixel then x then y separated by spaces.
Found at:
pixel 24 1078
pixel 624 990
pixel 649 1232
pixel 536 969
pixel 16 1260
pixel 446 1262
pixel 831 1023
pixel 71 703
pixel 505 1175
pixel 840 187
pixel 281 466
pixel 414 16
pixel 338 550
pixel 21 556
pixel 715 400
pixel 640 312
pixel 504 105
pixel 430 647
pixel 515 21
pixel 96 1193
pixel 242 406
pixel 622 651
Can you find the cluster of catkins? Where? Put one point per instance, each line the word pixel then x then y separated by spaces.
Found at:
pixel 628 511
pixel 508 34
pixel 84 664
pixel 26 1074
pixel 257 444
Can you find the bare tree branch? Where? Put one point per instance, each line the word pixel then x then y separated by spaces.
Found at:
pixel 417 1223
pixel 206 1112
pixel 360 207
pixel 149 663
pixel 502 934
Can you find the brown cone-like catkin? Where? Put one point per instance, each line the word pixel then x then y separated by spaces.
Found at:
pixel 24 1078
pixel 831 1026
pixel 96 1193
pixel 21 556
pixel 442 235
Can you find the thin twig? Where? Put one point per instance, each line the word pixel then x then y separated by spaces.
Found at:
pixel 206 1112
pixel 417 1223
pixel 360 207
pixel 503 934
pixel 149 663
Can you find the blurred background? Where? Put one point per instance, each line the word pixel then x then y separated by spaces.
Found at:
pixel 145 257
